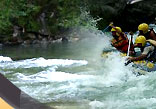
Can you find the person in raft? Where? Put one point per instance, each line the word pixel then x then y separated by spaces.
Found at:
pixel 148 49
pixel 145 31
pixel 120 40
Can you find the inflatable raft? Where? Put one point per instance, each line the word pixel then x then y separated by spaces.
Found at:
pixel 142 67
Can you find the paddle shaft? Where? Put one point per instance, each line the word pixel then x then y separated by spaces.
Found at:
pixel 129 45
pixel 105 28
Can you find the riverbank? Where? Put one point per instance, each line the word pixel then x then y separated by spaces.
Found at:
pixel 31 39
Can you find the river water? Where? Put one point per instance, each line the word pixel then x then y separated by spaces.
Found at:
pixel 73 75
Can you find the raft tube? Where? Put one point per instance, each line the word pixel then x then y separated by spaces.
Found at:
pixel 142 65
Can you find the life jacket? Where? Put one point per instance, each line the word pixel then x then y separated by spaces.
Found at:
pixel 122 44
pixel 150 34
pixel 151 56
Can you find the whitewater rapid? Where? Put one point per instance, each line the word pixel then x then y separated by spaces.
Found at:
pixel 80 78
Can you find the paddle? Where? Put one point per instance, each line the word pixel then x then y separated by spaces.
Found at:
pixel 129 45
pixel 130 39
pixel 104 30
pixel 128 62
pixel 110 25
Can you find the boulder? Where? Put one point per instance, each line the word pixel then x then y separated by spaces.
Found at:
pixel 127 14
pixel 136 13
pixel 106 9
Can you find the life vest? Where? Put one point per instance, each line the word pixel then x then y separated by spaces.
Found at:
pixel 150 35
pixel 122 44
pixel 151 56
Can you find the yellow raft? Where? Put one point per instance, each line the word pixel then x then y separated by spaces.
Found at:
pixel 143 65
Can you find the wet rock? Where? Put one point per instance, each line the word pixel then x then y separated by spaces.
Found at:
pixel 136 13
pixel 17 31
pixel 107 9
pixel 13 41
pixel 27 42
pixel 57 40
pixel 127 14
pixel 36 41
pixel 44 41
pixel 64 39
pixel 31 36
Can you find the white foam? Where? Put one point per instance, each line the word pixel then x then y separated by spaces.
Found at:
pixel 47 76
pixel 96 104
pixel 41 62
pixel 116 71
pixel 5 59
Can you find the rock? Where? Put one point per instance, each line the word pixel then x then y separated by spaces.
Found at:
pixel 136 13
pixel 17 31
pixel 36 41
pixel 127 14
pixel 27 42
pixel 31 35
pixel 106 9
pixel 64 39
pixel 44 41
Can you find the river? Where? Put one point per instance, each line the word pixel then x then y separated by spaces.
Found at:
pixel 73 75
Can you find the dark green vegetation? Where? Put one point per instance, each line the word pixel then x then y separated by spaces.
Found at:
pixel 47 17
pixel 53 17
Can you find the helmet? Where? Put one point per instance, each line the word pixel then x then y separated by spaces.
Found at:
pixel 143 27
pixel 116 28
pixel 140 39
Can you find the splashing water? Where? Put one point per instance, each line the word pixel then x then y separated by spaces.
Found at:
pixel 75 76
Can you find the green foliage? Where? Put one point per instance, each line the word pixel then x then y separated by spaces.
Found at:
pixel 75 13
pixel 16 12
pixel 25 13
pixel 4 15
pixel 69 12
